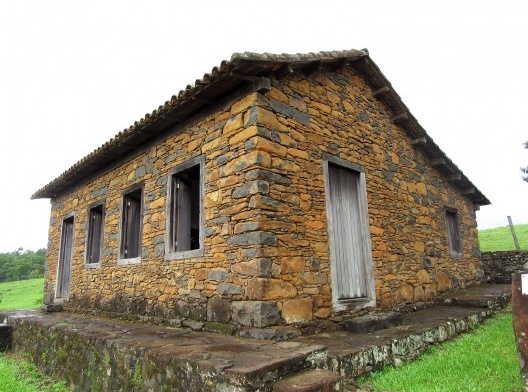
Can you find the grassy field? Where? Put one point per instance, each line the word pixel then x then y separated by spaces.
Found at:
pixel 485 360
pixel 500 238
pixel 16 374
pixel 23 294
pixel 21 376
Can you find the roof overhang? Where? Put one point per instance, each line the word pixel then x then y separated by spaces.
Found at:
pixel 250 72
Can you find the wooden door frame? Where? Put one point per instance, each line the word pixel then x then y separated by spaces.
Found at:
pixel 59 262
pixel 366 253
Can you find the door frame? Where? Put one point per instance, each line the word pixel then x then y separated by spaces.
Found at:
pixel 366 254
pixel 61 255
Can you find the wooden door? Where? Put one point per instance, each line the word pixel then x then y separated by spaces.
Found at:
pixel 65 259
pixel 346 230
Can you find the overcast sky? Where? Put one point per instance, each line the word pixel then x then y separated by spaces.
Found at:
pixel 72 75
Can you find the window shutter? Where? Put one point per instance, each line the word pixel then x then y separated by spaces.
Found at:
pixel 183 216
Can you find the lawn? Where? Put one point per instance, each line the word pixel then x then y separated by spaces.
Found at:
pixel 22 294
pixel 484 360
pixel 500 238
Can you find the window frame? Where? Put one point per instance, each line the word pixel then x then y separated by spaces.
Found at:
pixel 122 259
pixel 170 253
pixel 89 234
pixel 452 222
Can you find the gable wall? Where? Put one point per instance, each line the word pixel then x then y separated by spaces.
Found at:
pixel 406 199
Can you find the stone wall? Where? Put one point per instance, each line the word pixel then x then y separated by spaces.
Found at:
pixel 266 256
pixel 499 266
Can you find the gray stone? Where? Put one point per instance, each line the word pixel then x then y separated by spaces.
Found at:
pixel 277 334
pixel 255 313
pixel 140 172
pixel 264 267
pixel 159 250
pixel 194 325
pixel 218 275
pixel 363 116
pixel 267 176
pixel 218 310
pixel 253 238
pixel 282 108
pixel 229 289
pixel 250 188
pixel 268 201
pixel 302 117
pixel 373 322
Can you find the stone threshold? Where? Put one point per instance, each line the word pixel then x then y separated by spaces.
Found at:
pixel 114 355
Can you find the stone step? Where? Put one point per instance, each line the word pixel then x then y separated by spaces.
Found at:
pixel 314 380
pixel 273 363
pixel 479 297
pixel 373 322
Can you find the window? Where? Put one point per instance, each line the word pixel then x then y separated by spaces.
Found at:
pixel 94 240
pixel 131 217
pixel 184 229
pixel 452 232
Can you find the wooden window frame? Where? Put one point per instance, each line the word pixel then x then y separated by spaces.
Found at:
pixel 91 233
pixel 129 196
pixel 370 299
pixel 171 253
pixel 453 232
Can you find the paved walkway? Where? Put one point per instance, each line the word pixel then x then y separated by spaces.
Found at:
pixel 114 355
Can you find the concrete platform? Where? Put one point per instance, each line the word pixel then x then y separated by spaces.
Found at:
pixel 112 355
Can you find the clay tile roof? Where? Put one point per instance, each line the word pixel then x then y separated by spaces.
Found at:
pixel 240 71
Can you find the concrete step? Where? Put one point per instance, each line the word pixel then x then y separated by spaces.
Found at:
pixel 373 322
pixel 314 380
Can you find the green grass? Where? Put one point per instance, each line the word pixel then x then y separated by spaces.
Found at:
pixel 500 238
pixel 22 294
pixel 485 360
pixel 21 376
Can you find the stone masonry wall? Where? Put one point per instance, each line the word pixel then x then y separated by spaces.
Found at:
pixel 499 266
pixel 266 258
pixel 336 113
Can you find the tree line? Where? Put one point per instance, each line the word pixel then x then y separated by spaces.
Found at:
pixel 22 264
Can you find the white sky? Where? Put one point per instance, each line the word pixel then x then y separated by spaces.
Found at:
pixel 74 74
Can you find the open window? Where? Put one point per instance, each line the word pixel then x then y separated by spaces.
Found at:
pixel 131 217
pixel 453 233
pixel 185 210
pixel 94 239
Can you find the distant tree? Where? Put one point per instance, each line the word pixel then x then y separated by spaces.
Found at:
pixel 22 264
pixel 525 169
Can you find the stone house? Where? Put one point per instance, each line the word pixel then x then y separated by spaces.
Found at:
pixel 278 189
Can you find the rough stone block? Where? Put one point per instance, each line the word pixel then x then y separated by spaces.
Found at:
pixel 253 238
pixel 266 289
pixel 373 322
pixel 218 310
pixel 310 381
pixel 297 310
pixel 255 313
